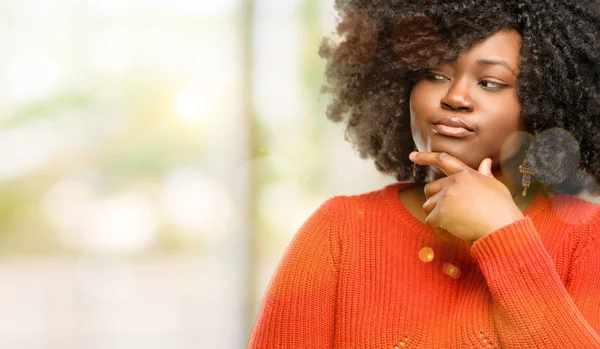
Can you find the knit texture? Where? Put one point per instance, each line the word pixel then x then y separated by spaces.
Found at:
pixel 362 272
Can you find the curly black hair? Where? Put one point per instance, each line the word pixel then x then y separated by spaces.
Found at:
pixel 380 48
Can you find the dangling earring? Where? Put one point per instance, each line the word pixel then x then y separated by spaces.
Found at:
pixel 526 173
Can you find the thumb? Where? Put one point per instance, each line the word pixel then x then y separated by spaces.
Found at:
pixel 485 167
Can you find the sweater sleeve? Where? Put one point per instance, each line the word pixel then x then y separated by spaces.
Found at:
pixel 532 307
pixel 298 308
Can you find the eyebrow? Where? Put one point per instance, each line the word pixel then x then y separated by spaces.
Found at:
pixel 496 62
pixel 488 62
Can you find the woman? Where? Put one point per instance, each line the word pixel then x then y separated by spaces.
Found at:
pixel 483 242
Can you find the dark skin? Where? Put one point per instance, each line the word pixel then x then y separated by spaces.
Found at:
pixel 474 182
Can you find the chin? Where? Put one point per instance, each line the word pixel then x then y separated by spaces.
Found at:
pixel 464 156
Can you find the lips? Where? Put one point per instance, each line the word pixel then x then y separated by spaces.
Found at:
pixel 451 131
pixel 452 127
pixel 453 122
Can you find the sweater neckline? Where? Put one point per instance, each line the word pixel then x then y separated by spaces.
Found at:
pixel 392 198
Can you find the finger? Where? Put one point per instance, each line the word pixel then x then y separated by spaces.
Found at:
pixel 431 203
pixel 436 186
pixel 444 161
pixel 485 167
pixel 433 218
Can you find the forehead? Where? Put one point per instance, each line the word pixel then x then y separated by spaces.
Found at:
pixel 504 45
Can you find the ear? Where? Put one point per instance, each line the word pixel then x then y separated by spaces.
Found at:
pixel 485 167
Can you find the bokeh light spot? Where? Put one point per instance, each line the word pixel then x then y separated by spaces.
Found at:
pixel 426 254
pixel 451 270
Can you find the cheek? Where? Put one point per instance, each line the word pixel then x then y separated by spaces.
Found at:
pixel 504 117
pixel 420 103
pixel 507 137
pixel 512 144
pixel 417 111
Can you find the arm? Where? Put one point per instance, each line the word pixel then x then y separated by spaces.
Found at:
pixel 532 307
pixel 298 309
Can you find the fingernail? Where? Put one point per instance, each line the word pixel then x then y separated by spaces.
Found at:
pixel 413 154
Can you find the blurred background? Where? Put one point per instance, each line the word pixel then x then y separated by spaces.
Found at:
pixel 156 159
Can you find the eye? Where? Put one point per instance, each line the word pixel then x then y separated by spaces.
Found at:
pixel 494 85
pixel 491 85
pixel 434 76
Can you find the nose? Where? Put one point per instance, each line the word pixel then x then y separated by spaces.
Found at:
pixel 458 97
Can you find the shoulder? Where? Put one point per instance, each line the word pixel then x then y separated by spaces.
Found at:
pixel 344 211
pixel 577 210
pixel 366 202
pixel 583 214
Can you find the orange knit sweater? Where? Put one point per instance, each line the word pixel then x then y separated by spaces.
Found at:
pixel 362 272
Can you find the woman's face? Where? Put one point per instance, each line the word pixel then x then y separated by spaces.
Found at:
pixel 479 88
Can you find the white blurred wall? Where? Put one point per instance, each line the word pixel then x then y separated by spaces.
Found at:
pixel 124 165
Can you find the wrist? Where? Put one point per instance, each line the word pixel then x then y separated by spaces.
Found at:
pixel 514 216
